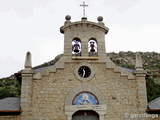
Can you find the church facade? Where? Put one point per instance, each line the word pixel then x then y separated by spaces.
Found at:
pixel 84 84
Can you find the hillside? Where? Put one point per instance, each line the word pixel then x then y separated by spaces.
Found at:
pixel 151 61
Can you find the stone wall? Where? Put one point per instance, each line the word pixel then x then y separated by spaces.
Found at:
pixel 9 118
pixel 50 93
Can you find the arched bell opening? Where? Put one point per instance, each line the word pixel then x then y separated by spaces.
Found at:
pixel 85 115
pixel 76 47
pixel 92 47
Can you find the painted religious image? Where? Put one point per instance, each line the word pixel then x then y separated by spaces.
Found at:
pixel 85 98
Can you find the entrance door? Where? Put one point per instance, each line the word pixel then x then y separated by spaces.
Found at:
pixel 85 115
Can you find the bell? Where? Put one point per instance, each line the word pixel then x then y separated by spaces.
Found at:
pixel 92 47
pixel 92 50
pixel 76 48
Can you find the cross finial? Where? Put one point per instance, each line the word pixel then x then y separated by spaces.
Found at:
pixel 84 8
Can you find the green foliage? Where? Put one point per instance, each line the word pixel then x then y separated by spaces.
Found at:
pixel 121 54
pixel 128 66
pixel 130 54
pixel 1 84
pixel 17 84
pixel 7 92
pixel 157 80
pixel 117 61
pixel 9 83
pixel 146 67
pixel 9 88
pixel 154 75
pixel 157 66
pixel 153 89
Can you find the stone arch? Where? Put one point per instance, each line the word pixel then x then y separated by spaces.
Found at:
pixel 71 109
pixel 93 38
pixel 76 38
pixel 85 87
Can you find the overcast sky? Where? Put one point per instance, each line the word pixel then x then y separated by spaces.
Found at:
pixel 33 25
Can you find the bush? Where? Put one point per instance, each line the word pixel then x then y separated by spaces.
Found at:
pixel 154 75
pixel 17 84
pixel 157 66
pixel 153 89
pixel 9 88
pixel 9 83
pixel 1 85
pixel 6 92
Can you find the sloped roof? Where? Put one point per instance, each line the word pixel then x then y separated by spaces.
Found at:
pixel 37 70
pixel 128 70
pixel 10 103
pixel 154 104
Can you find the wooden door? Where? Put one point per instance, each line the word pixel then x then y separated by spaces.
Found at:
pixel 85 115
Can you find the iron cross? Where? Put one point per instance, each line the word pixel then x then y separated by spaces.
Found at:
pixel 84 8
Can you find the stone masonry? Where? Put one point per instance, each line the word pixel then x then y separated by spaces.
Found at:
pixel 49 94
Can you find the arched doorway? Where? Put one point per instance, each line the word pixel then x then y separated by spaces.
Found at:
pixel 85 115
pixel 71 106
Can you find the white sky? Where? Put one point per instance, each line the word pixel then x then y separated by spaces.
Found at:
pixel 33 25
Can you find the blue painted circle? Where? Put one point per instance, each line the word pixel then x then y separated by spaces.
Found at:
pixel 85 98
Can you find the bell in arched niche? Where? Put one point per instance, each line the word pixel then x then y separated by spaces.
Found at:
pixel 76 46
pixel 92 47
